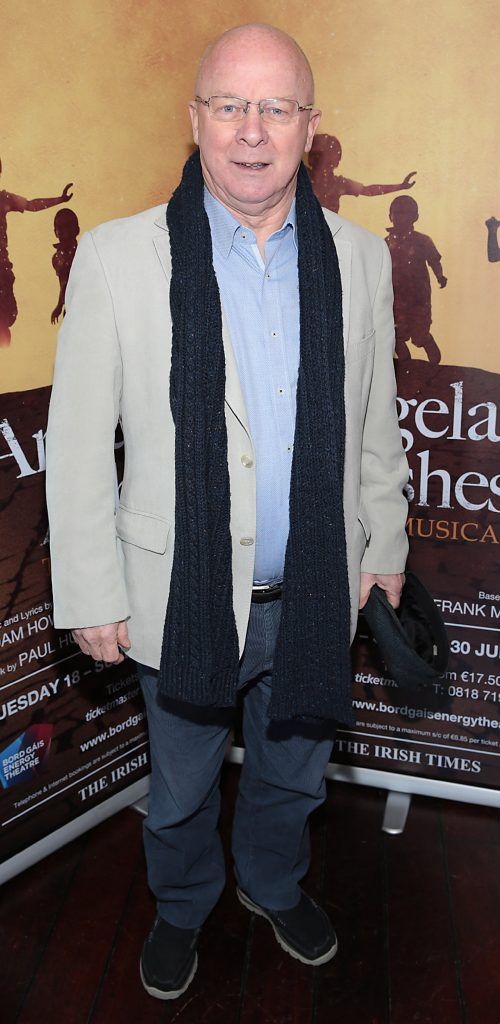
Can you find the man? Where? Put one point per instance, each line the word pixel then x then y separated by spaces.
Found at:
pixel 253 491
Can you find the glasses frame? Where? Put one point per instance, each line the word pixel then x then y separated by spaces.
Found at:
pixel 249 103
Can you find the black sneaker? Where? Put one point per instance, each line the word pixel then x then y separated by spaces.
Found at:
pixel 169 959
pixel 305 931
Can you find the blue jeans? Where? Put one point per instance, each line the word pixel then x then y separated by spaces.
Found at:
pixel 282 781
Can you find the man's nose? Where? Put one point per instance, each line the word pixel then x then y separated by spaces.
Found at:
pixel 252 129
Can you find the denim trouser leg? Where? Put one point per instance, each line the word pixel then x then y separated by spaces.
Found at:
pixel 183 850
pixel 282 781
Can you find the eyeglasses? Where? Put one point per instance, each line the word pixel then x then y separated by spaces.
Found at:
pixel 230 109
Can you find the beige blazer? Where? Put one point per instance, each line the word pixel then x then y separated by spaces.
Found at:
pixel 113 363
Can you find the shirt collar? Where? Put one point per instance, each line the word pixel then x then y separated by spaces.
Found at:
pixel 223 226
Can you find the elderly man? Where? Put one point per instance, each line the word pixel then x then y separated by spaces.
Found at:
pixel 244 340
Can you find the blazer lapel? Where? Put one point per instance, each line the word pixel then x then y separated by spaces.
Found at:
pixel 234 393
pixel 344 253
pixel 162 245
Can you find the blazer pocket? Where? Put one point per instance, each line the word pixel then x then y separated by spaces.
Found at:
pixel 365 522
pixel 142 529
pixel 359 349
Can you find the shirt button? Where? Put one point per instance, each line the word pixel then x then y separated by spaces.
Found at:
pixel 246 541
pixel 247 461
pixel 274 334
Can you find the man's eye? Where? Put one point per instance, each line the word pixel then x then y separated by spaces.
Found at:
pixel 276 112
pixel 229 110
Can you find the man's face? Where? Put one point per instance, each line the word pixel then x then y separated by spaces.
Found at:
pixel 251 166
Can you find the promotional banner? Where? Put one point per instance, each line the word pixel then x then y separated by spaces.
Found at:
pixel 393 153
pixel 450 731
pixel 72 732
pixel 95 126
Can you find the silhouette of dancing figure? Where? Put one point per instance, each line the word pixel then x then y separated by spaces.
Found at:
pixel 325 156
pixel 11 203
pixel 66 229
pixel 493 247
pixel 411 253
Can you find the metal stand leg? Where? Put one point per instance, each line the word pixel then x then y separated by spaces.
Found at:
pixel 397 806
pixel 141 806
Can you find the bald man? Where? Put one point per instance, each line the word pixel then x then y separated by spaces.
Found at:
pixel 243 337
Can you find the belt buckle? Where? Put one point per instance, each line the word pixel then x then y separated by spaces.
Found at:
pixel 267 591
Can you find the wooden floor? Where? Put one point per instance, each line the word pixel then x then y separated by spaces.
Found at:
pixel 418 920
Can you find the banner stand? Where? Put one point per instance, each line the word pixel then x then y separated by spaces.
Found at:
pixel 409 784
pixel 395 815
pixel 399 793
pixel 397 806
pixel 141 806
pixel 399 789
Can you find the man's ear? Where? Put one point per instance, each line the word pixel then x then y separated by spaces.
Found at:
pixel 193 113
pixel 312 127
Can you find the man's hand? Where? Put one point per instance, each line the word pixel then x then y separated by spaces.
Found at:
pixel 66 194
pixel 101 642
pixel 392 583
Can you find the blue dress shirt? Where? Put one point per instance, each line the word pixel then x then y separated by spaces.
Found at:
pixel 260 300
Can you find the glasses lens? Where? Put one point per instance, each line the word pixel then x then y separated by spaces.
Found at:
pixel 273 111
pixel 278 111
pixel 227 108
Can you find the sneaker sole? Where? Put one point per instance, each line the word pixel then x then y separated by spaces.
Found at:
pixel 158 993
pixel 255 909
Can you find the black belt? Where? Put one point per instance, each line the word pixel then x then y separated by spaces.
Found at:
pixel 267 592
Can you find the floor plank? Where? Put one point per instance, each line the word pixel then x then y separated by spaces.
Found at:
pixel 471 847
pixel 121 998
pixel 72 964
pixel 31 903
pixel 421 941
pixel 470 824
pixel 418 919
pixel 353 988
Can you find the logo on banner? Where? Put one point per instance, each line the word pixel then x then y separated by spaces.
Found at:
pixel 26 756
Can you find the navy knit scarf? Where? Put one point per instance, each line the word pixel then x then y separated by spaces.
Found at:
pixel 200 656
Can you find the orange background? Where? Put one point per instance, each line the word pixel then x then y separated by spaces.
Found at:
pixel 96 93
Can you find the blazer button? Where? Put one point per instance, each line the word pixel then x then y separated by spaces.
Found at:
pixel 247 541
pixel 247 461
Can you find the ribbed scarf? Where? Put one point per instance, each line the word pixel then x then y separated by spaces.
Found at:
pixel 200 655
